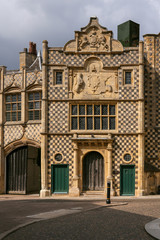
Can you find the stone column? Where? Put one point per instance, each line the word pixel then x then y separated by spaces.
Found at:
pixel 141 146
pixel 70 83
pixel 2 112
pixel 74 191
pixel 23 96
pixel 44 138
pixel 110 177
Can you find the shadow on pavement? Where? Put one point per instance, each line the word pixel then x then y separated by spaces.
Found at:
pixel 101 224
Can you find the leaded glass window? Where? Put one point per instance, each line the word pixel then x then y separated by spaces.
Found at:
pixel 13 107
pixel 93 117
pixel 89 109
pixel 127 157
pixel 89 123
pixel 58 77
pixel 128 77
pixel 34 105
pixel 81 109
pixel 74 123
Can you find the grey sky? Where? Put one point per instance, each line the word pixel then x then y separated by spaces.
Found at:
pixel 22 21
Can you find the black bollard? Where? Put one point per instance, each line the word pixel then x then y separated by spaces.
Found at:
pixel 108 201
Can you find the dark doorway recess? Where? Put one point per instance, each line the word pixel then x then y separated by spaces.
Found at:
pixel 23 170
pixel 93 172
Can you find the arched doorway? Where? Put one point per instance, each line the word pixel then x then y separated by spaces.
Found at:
pixel 23 170
pixel 93 172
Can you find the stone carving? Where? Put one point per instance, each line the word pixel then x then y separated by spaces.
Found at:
pixel 94 82
pixel 93 40
pixel 93 37
pixel 79 83
pixel 97 85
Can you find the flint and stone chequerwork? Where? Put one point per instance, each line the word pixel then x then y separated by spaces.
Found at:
pixel 99 115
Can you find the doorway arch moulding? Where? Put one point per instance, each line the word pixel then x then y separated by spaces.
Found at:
pixel 87 143
pixel 20 143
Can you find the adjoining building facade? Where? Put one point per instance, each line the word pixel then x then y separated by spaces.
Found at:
pixel 89 116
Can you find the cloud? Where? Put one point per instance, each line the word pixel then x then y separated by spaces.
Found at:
pixel 22 21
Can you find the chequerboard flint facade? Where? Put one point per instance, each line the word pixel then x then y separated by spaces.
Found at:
pixel 89 114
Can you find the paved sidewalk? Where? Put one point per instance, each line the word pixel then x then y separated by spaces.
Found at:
pixel 4 197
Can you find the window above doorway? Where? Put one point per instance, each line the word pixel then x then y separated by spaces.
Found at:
pixel 127 157
pixel 93 117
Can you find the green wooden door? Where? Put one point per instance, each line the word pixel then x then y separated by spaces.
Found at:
pixel 127 180
pixel 60 178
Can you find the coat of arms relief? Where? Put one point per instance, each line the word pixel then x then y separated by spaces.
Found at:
pixel 95 82
pixel 93 40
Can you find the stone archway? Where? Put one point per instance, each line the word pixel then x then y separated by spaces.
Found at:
pixel 93 172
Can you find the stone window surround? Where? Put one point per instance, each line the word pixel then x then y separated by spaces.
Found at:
pixel 55 157
pixel 12 91
pixel 125 160
pixel 36 88
pixel 40 100
pixel 128 69
pixel 55 70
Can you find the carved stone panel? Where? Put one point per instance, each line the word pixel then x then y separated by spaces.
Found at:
pixel 94 40
pixel 95 82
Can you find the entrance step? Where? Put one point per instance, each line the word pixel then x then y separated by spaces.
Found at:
pixel 93 193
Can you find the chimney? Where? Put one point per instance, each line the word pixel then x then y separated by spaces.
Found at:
pixel 32 48
pixel 28 57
